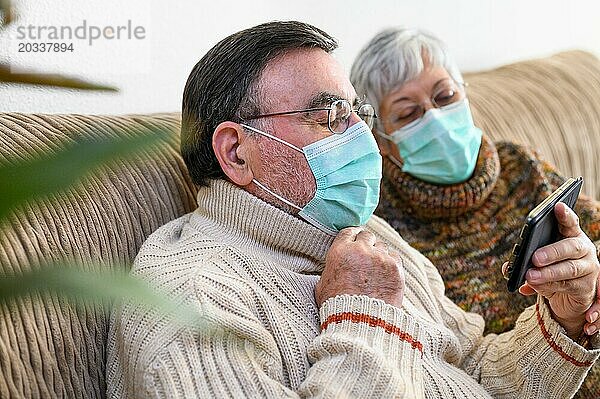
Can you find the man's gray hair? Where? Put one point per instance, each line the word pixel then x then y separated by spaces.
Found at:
pixel 395 56
pixel 225 86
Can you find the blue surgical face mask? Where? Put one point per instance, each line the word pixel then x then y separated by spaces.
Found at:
pixel 347 170
pixel 441 147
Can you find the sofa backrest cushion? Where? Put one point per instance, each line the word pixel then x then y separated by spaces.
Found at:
pixel 550 104
pixel 47 347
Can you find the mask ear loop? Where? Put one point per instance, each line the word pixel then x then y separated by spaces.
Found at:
pixel 272 137
pixel 392 158
pixel 279 197
pixel 395 161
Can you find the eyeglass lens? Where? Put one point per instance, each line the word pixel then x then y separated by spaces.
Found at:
pixel 447 94
pixel 339 115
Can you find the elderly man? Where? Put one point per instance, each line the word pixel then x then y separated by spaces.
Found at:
pixel 301 302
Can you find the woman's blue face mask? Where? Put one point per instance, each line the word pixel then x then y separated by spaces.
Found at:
pixel 441 147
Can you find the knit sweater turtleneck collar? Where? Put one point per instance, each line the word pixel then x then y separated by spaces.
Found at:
pixel 233 215
pixel 431 201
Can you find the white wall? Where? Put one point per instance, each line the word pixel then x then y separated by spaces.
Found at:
pixel 151 73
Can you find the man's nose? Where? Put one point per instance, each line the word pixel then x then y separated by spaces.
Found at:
pixel 354 118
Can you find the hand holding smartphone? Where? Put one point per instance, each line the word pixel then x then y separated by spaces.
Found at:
pixel 540 229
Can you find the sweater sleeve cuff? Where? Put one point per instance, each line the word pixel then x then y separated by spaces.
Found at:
pixel 555 336
pixel 374 321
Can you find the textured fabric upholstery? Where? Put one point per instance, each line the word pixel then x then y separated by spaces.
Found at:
pixel 551 104
pixel 54 350
pixel 48 349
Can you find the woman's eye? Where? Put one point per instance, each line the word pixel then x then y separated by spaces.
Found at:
pixel 445 98
pixel 406 114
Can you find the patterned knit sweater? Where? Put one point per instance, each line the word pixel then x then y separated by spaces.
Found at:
pixel 467 230
pixel 250 271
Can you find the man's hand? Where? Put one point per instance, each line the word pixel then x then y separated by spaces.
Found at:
pixel 566 274
pixel 358 264
pixel 593 315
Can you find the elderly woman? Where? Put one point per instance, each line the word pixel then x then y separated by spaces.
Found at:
pixel 447 189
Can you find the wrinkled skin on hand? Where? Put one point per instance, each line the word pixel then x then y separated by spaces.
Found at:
pixel 359 264
pixel 566 274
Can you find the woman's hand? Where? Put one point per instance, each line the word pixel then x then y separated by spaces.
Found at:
pixel 566 273
pixel 592 316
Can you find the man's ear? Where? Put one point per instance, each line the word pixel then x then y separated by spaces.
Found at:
pixel 229 143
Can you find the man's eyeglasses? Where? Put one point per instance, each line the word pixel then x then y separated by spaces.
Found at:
pixel 407 111
pixel 336 116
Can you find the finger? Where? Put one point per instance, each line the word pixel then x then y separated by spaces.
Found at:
pixel 381 245
pixel 566 270
pixel 398 258
pixel 348 234
pixel 505 269
pixel 567 248
pixel 526 290
pixel 592 328
pixel 579 286
pixel 400 264
pixel 592 315
pixel 568 221
pixel 366 237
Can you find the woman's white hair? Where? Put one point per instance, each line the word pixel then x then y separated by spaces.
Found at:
pixel 395 56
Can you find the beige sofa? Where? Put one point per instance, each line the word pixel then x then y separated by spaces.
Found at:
pixel 49 349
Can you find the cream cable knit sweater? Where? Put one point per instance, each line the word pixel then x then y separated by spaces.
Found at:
pixel 250 270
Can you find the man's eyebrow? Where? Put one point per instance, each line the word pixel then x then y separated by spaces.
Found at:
pixel 323 100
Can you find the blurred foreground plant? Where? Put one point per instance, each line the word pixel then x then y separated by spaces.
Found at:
pixel 24 181
pixel 102 288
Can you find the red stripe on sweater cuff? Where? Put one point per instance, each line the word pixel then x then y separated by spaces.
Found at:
pixel 554 345
pixel 374 322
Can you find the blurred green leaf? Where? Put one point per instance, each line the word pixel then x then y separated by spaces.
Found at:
pixel 96 288
pixel 23 181
pixel 39 177
pixel 54 80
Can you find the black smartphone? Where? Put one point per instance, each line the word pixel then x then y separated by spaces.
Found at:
pixel 540 229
